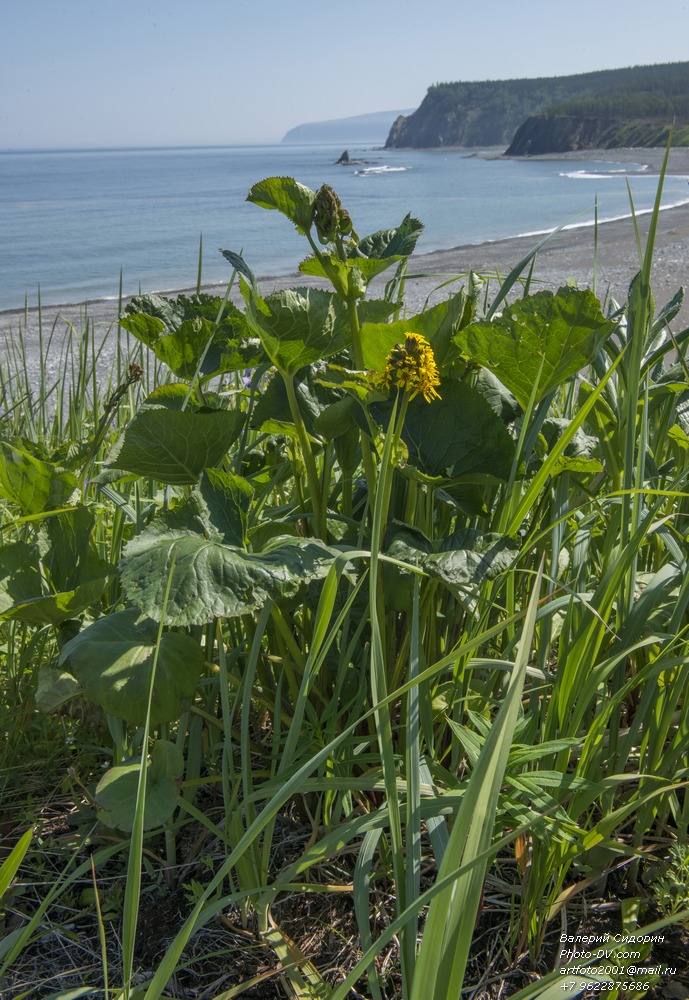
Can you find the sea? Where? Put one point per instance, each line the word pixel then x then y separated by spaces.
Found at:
pixel 76 223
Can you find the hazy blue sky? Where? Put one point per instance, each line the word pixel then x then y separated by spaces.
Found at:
pixel 128 72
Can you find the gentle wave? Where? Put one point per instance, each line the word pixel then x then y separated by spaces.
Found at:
pixel 605 175
pixel 592 222
pixel 380 170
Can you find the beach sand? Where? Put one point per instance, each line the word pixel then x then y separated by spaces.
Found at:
pixel 566 256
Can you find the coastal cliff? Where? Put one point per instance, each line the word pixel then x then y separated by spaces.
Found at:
pixel 564 133
pixel 470 114
pixel 622 107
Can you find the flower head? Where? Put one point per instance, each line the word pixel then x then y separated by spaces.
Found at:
pixel 329 217
pixel 411 366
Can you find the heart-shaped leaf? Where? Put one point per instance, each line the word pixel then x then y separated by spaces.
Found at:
pixel 173 445
pixel 117 789
pixel 458 436
pixel 113 659
pixel 209 579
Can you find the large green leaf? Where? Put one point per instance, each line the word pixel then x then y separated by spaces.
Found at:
pixel 55 688
pixel 436 324
pixel 116 791
pixel 63 561
pixel 346 270
pixel 33 485
pixel 298 326
pixel 312 399
pixel 185 330
pixel 287 196
pixel 465 557
pixel 173 445
pixel 216 508
pixel 53 609
pixel 370 256
pixel 541 340
pixel 209 579
pixel 68 555
pixel 458 436
pixel 113 659
pixel 20 575
pixel 386 243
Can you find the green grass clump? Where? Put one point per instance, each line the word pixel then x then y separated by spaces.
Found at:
pixel 412 587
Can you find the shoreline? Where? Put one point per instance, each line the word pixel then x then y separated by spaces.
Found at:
pixel 567 256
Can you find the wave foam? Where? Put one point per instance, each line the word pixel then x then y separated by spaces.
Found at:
pixel 592 222
pixel 631 170
pixel 384 169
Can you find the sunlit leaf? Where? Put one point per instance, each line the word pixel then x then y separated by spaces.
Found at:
pixel 386 243
pixel 286 195
pixel 209 579
pixel 540 340
pixel 298 326
pixel 185 331
pixel 173 445
pixel 33 485
pixel 436 324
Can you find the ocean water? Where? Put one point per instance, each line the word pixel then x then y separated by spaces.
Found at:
pixel 71 222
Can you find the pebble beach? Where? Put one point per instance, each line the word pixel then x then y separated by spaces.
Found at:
pixel 567 256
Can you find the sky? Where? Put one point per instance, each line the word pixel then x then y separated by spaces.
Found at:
pixel 111 73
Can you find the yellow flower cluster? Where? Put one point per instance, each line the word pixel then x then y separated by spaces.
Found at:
pixel 411 366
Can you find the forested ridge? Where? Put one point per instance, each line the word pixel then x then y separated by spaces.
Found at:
pixel 490 112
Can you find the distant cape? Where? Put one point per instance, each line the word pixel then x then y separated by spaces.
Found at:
pixel 369 129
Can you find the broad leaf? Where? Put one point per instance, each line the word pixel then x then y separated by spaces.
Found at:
pixel 172 445
pixel 183 331
pixel 116 791
pixel 541 340
pixel 298 326
pixel 458 436
pixel 368 268
pixel 55 689
pixel 209 579
pixel 31 484
pixel 54 609
pixel 287 196
pixel 501 401
pixel 312 400
pixel 386 243
pixel 436 324
pixel 217 508
pixel 20 576
pixel 465 557
pixel 113 659
pixel 68 555
pixel 63 561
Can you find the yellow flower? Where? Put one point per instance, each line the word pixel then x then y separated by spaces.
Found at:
pixel 411 367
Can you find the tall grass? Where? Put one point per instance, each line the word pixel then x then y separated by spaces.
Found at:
pixel 444 638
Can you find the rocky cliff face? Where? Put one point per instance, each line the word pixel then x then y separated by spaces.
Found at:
pixel 564 133
pixel 436 124
pixel 619 107
pixel 558 134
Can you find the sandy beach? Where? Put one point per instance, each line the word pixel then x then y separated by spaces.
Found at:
pixel 566 256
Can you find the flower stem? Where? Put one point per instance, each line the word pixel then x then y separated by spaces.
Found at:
pixel 319 520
